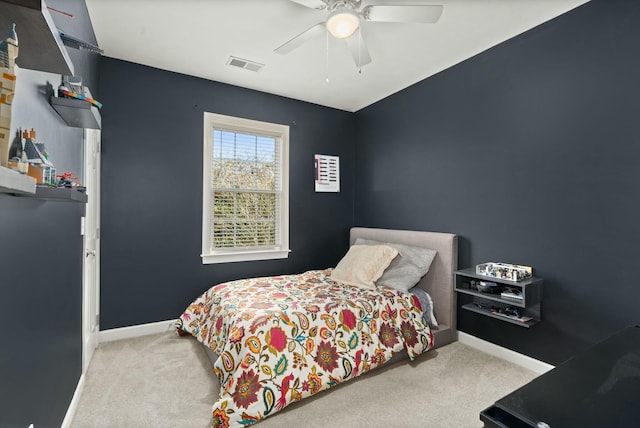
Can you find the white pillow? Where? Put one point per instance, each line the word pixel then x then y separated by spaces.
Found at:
pixel 363 265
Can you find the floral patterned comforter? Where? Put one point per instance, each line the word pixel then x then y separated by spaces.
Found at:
pixel 281 339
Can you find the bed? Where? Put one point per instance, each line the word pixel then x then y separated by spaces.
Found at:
pixel 274 341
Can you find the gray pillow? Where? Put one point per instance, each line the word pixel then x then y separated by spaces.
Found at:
pixel 406 270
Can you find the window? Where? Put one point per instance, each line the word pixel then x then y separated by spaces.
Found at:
pixel 245 213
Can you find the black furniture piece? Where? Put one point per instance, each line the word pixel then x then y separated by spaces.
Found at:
pixel 597 388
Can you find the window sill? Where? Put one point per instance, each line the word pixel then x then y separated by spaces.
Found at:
pixel 244 256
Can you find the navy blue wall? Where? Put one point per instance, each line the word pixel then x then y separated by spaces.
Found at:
pixel 152 188
pixel 41 257
pixel 41 309
pixel 529 152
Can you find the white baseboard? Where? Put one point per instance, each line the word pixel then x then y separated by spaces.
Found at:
pixel 136 331
pixel 73 406
pixel 525 361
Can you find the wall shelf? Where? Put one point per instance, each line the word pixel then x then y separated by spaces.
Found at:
pixel 498 306
pixel 39 42
pixel 481 309
pixel 16 184
pixel 77 113
pixel 13 182
pixel 65 194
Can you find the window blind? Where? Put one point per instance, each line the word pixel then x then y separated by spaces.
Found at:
pixel 246 190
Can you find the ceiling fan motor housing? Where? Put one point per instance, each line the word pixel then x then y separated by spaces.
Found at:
pixel 334 5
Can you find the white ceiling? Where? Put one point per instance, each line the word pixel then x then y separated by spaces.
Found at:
pixel 197 37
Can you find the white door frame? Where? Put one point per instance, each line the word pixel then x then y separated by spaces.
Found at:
pixel 91 248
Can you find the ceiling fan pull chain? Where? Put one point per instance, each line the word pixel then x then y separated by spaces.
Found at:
pixel 359 50
pixel 327 57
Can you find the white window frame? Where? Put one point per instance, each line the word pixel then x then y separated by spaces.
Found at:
pixel 213 121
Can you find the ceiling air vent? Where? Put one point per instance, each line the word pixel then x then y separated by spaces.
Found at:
pixel 244 63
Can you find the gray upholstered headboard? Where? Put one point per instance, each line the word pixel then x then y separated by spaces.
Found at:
pixel 438 282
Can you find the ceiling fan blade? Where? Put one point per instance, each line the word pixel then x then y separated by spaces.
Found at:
pixel 301 38
pixel 385 13
pixel 358 49
pixel 313 4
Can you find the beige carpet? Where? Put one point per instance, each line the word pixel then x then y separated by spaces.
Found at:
pixel 166 381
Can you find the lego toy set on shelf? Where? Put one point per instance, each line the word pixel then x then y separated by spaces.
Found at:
pixel 74 104
pixel 8 55
pixel 504 271
pixel 29 157
pixel 71 87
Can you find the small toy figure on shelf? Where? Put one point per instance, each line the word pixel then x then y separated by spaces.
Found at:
pixel 68 180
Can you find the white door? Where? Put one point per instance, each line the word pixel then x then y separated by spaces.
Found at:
pixel 91 231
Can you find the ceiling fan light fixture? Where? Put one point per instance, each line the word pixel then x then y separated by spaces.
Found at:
pixel 343 23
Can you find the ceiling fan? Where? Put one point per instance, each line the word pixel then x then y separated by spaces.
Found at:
pixel 345 17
